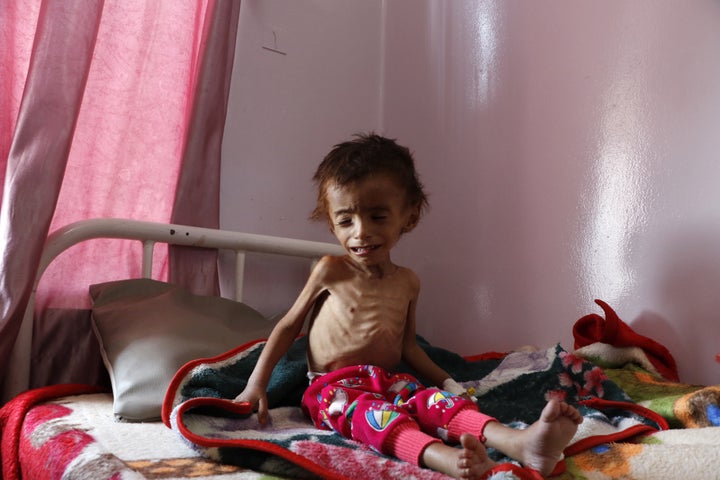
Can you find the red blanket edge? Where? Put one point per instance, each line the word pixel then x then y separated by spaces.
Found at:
pixel 595 440
pixel 12 415
pixel 269 447
pixel 259 445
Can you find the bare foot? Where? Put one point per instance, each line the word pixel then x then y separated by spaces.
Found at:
pixel 543 442
pixel 469 462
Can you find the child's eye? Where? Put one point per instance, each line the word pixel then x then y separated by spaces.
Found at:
pixel 379 217
pixel 343 222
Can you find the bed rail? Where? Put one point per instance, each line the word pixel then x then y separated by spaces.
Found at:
pixel 149 234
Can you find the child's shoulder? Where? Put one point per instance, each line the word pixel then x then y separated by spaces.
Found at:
pixel 410 276
pixel 332 261
pixel 330 265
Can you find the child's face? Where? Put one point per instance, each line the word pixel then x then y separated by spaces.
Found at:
pixel 369 216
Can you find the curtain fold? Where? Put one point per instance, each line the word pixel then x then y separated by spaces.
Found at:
pixel 197 197
pixel 14 59
pixel 122 104
pixel 39 150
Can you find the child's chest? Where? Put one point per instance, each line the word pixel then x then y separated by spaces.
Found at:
pixel 368 299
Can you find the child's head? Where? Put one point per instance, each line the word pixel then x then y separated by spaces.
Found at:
pixel 366 155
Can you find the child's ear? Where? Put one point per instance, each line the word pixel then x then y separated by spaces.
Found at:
pixel 413 220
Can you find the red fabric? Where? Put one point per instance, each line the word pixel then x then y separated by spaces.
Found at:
pixel 612 330
pixel 12 415
pixel 521 473
pixel 470 421
pixel 408 443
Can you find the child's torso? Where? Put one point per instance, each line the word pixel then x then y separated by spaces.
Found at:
pixel 361 321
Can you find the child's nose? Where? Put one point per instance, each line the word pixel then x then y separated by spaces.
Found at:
pixel 362 229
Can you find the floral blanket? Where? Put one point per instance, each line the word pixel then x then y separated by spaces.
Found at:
pixel 513 388
pixel 647 372
pixel 690 449
pixel 68 432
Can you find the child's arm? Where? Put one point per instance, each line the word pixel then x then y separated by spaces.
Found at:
pixel 280 340
pixel 415 356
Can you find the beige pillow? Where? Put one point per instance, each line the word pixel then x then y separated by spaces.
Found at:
pixel 148 329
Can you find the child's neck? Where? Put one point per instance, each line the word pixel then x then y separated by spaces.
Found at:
pixel 377 270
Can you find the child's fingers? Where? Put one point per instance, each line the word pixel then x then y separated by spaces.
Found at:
pixel 262 410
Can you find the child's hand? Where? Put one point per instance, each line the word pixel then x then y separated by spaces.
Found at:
pixel 455 388
pixel 257 398
pixel 470 394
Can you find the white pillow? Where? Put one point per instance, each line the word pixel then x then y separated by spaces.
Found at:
pixel 149 329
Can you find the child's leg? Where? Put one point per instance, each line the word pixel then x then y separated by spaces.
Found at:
pixel 468 462
pixel 357 402
pixel 435 410
pixel 347 406
pixel 540 446
pixel 407 442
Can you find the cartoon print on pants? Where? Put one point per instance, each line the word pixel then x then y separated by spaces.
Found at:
pixel 439 397
pixel 381 419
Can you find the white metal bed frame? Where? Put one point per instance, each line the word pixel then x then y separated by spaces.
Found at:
pixel 148 234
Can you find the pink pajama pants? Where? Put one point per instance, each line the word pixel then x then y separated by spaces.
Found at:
pixel 390 412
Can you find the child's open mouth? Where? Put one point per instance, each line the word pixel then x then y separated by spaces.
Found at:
pixel 364 250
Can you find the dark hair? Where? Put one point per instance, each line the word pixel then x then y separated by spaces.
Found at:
pixel 365 155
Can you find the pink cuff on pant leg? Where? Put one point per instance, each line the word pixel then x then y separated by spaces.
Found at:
pixel 407 442
pixel 469 421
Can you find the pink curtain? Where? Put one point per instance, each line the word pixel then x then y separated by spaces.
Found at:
pixel 197 199
pixel 107 109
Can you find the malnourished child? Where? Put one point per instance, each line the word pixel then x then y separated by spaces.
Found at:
pixel 361 313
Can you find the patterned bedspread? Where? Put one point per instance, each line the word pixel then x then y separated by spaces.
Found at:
pixel 691 449
pixel 65 432
pixel 616 378
pixel 513 388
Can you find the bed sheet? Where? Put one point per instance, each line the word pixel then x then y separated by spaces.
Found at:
pixel 628 406
pixel 76 436
pixel 94 445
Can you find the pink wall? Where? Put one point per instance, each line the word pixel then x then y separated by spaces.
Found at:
pixel 568 147
pixel 286 110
